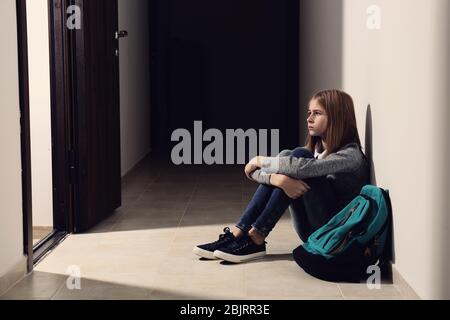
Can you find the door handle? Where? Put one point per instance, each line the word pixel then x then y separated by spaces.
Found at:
pixel 121 34
pixel 118 35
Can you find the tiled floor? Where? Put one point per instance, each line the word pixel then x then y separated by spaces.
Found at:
pixel 144 251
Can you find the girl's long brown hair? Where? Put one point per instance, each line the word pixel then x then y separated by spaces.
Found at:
pixel 342 127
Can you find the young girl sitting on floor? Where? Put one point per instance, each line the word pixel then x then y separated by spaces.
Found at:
pixel 315 182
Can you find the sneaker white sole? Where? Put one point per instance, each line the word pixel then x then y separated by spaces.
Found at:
pixel 204 253
pixel 238 259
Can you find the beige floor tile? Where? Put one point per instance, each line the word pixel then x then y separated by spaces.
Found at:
pixel 130 224
pixel 230 193
pixel 138 210
pixel 215 213
pixel 215 206
pixel 144 250
pixel 283 279
pixel 90 242
pixel 111 252
pixel 225 197
pixel 176 179
pixel 155 214
pixel 362 291
pixel 37 285
pixel 146 177
pixel 129 200
pixel 98 290
pixel 198 234
pixel 166 205
pixel 191 265
pixel 187 187
pixel 107 268
pixel 108 224
pixel 162 196
pixel 199 287
pixel 180 249
pixel 134 188
pixel 208 220
pixel 207 186
pixel 403 287
pixel 169 190
pixel 139 278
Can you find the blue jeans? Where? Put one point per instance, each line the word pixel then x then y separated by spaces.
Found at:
pixel 309 212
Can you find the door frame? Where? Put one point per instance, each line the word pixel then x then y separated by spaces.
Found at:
pixel 61 119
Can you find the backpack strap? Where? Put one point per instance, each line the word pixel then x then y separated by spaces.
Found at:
pixel 388 254
pixel 364 222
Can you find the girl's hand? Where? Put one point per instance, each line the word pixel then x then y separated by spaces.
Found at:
pixel 252 166
pixel 293 188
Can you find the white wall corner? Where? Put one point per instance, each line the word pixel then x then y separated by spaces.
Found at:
pixel 13 276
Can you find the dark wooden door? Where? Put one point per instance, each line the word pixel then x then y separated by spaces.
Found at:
pixel 96 114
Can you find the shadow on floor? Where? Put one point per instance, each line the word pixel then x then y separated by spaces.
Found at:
pixel 46 286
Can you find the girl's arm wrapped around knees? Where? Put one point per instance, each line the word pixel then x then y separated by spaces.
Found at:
pixel 346 160
pixel 261 177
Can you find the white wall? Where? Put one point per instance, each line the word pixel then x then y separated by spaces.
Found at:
pixel 320 50
pixel 40 116
pixel 134 82
pixel 402 72
pixel 11 234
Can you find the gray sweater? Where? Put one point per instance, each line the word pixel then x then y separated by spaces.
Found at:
pixel 346 169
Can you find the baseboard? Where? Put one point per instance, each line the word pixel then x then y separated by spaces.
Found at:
pixel 14 275
pixel 405 289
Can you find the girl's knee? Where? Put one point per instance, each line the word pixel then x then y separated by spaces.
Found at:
pixel 302 153
pixel 285 153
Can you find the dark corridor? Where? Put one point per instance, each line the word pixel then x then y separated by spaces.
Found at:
pixel 228 63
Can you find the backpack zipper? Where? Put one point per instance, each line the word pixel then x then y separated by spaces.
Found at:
pixel 349 214
pixel 340 246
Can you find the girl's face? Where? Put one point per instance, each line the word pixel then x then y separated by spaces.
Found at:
pixel 317 120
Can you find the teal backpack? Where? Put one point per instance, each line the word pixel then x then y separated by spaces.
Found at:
pixel 354 239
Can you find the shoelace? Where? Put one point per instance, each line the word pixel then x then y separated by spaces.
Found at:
pixel 242 247
pixel 240 244
pixel 226 233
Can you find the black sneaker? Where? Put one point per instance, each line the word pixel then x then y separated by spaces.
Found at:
pixel 241 250
pixel 207 250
